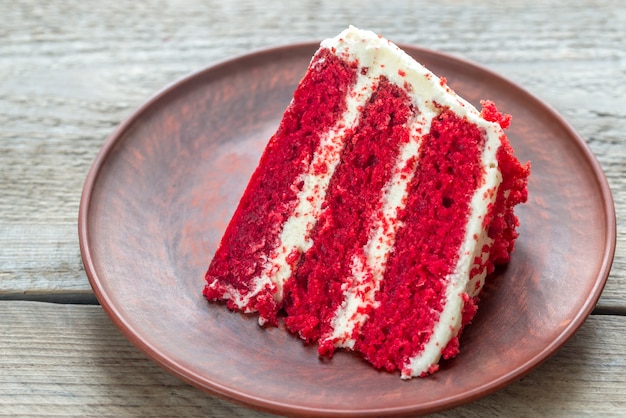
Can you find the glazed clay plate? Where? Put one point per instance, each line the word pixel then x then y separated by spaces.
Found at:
pixel 165 184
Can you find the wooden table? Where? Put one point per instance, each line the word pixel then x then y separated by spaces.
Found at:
pixel 71 71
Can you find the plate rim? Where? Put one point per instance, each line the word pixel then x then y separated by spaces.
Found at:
pixel 244 398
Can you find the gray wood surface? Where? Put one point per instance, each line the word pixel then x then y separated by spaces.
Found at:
pixel 71 360
pixel 71 71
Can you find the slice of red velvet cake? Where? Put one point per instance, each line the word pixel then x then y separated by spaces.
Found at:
pixel 376 211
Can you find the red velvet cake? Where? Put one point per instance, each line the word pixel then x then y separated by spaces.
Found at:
pixel 377 209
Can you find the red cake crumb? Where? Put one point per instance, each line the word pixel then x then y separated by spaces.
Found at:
pixel 490 113
pixel 503 226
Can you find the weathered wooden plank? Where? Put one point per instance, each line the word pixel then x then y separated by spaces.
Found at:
pixel 71 360
pixel 40 261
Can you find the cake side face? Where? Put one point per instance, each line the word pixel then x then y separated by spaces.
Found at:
pixel 376 212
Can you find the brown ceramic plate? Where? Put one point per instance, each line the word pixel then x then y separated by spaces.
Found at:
pixel 164 185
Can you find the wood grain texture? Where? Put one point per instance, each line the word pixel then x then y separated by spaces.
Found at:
pixel 71 71
pixel 70 360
